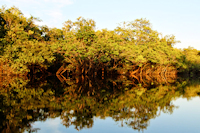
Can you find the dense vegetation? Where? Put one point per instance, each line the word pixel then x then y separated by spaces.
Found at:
pixel 111 72
pixel 79 47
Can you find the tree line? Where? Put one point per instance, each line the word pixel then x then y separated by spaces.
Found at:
pixel 132 47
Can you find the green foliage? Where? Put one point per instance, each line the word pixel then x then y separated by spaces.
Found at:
pixel 23 44
pixel 191 60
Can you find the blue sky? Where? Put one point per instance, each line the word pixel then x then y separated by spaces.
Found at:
pixel 178 17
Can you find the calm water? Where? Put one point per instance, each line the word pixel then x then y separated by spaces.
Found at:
pixel 99 105
pixel 184 119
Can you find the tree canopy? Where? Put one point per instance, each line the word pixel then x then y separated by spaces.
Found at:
pixel 25 45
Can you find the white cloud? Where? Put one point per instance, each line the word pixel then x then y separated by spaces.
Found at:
pixel 21 2
pixel 49 11
pixel 30 2
pixel 56 16
pixel 64 2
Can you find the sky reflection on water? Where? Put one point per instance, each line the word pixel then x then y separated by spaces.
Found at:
pixel 184 119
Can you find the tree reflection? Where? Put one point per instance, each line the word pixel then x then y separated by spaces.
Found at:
pixel 80 100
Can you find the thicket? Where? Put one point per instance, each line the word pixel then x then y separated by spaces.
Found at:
pixel 79 47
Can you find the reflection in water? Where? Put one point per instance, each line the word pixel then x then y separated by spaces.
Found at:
pixel 78 100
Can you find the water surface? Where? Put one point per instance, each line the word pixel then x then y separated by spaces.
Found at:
pixel 106 105
pixel 184 119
